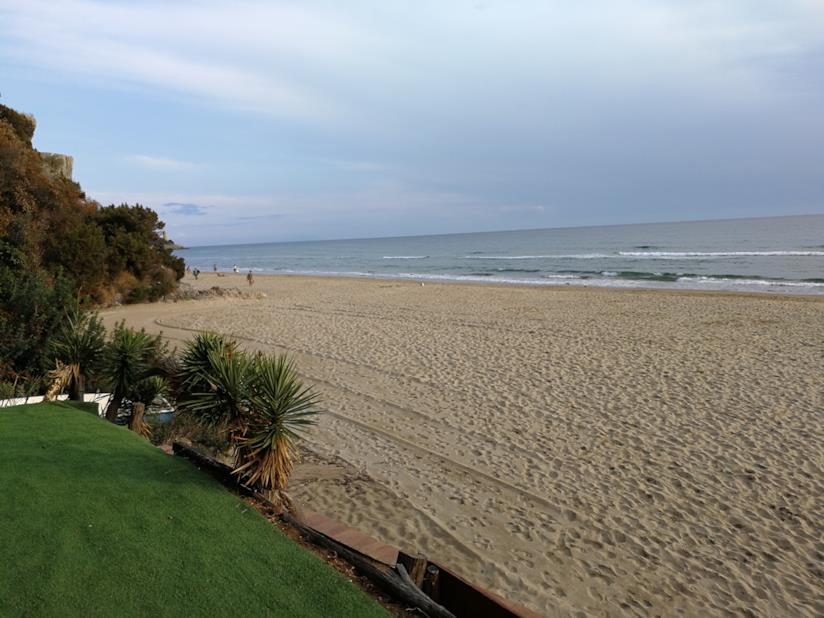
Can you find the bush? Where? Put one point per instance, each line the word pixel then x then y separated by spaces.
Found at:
pixel 259 403
pixel 31 312
pixel 22 124
pixel 58 248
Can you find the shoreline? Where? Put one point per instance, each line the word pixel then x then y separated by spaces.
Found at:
pixel 572 449
pixel 239 281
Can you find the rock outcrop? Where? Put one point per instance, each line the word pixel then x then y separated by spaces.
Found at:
pixel 57 165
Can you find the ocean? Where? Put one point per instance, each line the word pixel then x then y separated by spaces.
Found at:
pixel 776 254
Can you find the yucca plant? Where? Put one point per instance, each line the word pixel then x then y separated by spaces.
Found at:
pixel 213 384
pixel 142 394
pixel 79 345
pixel 194 363
pixel 60 377
pixel 129 357
pixel 148 389
pixel 282 408
pixel 259 403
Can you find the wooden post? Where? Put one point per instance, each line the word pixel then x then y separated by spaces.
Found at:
pixel 415 566
pixel 431 586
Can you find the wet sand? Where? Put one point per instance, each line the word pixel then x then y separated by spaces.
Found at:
pixel 581 451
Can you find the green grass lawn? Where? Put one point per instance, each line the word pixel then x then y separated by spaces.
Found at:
pixel 94 521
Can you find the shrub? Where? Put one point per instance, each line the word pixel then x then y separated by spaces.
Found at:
pixel 79 343
pixel 31 312
pixel 258 402
pixel 22 124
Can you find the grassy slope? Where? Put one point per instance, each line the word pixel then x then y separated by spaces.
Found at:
pixel 94 521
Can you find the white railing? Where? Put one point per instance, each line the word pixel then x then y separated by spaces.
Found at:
pixel 101 399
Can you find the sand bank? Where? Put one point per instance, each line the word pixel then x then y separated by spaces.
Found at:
pixel 577 450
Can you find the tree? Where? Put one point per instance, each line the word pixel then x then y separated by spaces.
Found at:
pixel 31 312
pixel 133 237
pixel 57 247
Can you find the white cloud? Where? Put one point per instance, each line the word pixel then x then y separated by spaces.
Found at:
pixel 392 67
pixel 228 219
pixel 163 164
pixel 240 55
pixel 382 109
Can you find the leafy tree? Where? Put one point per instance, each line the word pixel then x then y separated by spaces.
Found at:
pixel 132 234
pixel 31 313
pixel 58 248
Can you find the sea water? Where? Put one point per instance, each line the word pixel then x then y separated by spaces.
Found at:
pixel 777 254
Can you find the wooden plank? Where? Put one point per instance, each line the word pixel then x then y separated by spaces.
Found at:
pixel 415 567
pixel 357 540
pixel 467 599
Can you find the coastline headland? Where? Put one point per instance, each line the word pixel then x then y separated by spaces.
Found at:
pixel 575 450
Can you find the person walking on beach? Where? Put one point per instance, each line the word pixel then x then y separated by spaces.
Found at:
pixel 196 272
pixel 250 278
pixel 214 267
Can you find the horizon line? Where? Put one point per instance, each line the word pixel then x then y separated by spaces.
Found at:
pixel 535 229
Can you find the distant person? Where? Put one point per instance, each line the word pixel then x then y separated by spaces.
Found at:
pixel 214 268
pixel 196 272
pixel 250 278
pixel 235 268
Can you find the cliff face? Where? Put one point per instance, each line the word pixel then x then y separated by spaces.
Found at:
pixel 57 165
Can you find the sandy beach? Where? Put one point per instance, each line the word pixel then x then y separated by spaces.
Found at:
pixel 585 452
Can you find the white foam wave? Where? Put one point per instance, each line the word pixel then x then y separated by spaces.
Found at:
pixel 405 257
pixel 701 254
pixel 752 282
pixel 573 256
pixel 607 279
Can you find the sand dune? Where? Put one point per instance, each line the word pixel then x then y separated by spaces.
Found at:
pixel 584 452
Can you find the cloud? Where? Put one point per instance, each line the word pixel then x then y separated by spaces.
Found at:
pixel 275 215
pixel 145 46
pixel 370 211
pixel 163 164
pixel 188 210
pixel 320 119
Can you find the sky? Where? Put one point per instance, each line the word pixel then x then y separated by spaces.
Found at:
pixel 259 121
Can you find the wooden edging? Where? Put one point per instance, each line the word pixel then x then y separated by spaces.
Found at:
pixel 396 581
pixel 391 580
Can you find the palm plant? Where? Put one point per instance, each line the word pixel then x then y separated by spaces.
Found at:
pixel 282 408
pixel 77 349
pixel 259 403
pixel 142 394
pixel 221 397
pixel 58 378
pixel 213 383
pixel 194 363
pixel 128 358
